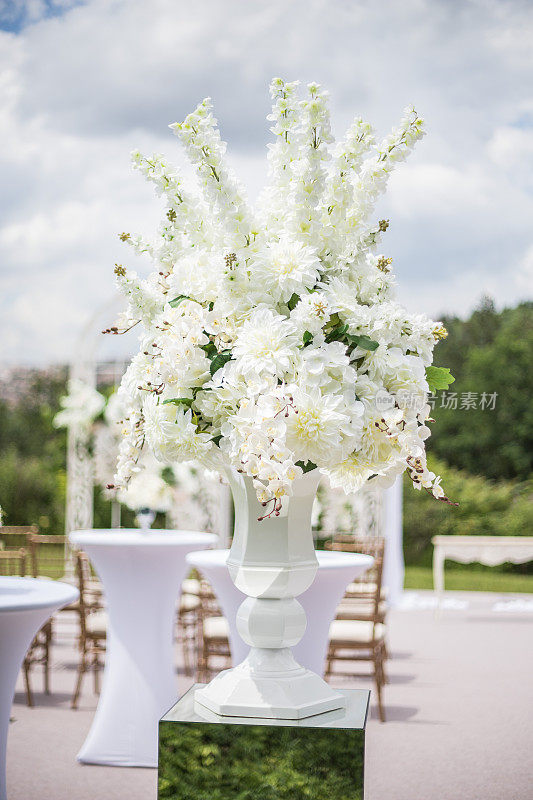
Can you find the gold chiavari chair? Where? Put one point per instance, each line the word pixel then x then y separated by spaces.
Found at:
pixel 213 635
pixel 47 560
pixel 47 555
pixel 93 628
pixel 358 632
pixel 13 562
pixel 188 622
pixel 359 595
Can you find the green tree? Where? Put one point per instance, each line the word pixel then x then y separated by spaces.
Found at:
pixel 33 455
pixel 490 353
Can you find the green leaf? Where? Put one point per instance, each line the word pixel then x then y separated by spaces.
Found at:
pixel 216 439
pixel 209 349
pixel 438 378
pixel 167 473
pixel 177 300
pixel 307 466
pixel 337 333
pixel 307 337
pixel 178 401
pixel 362 341
pixel 219 360
pixel 295 299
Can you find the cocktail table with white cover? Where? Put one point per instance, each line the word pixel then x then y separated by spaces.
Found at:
pixel 141 574
pixel 25 605
pixel 335 571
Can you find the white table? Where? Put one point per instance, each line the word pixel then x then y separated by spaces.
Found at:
pixel 25 605
pixel 335 571
pixel 488 550
pixel 141 574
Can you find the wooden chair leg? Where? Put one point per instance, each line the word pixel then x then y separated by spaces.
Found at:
pixel 383 670
pixel 203 666
pixel 96 673
pixel 47 642
pixel 329 659
pixel 204 659
pixel 209 670
pixel 377 659
pixel 81 669
pixel 184 639
pixel 192 646
pixel 29 694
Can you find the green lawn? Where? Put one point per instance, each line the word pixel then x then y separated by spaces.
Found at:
pixel 476 580
pixel 460 577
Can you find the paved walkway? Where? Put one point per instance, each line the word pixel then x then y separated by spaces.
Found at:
pixel 459 710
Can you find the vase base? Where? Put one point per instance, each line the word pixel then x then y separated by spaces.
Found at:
pixel 240 692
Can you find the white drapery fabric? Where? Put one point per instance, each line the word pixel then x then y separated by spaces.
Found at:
pixel 392 530
pixel 141 575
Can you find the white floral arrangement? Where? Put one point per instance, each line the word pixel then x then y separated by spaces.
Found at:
pixel 270 337
pixel 80 406
pixel 149 488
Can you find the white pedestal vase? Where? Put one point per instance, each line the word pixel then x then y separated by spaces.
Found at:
pixel 144 519
pixel 272 561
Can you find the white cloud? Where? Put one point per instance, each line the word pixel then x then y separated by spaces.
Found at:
pixel 512 149
pixel 524 275
pixel 78 91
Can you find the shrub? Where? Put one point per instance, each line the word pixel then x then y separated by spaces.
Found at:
pixel 486 507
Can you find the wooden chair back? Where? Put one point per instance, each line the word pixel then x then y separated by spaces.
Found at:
pixel 47 555
pixel 16 536
pixel 209 606
pixel 368 586
pixel 86 604
pixel 13 563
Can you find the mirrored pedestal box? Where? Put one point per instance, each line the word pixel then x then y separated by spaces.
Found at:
pixel 203 756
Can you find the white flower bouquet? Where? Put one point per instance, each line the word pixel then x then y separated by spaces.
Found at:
pixel 271 340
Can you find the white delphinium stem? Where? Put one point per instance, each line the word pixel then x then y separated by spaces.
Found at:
pixel 337 204
pixel 130 448
pixel 186 221
pixel 145 302
pixel 353 250
pixel 223 191
pixel 375 171
pixel 303 215
pixel 282 154
pixel 372 180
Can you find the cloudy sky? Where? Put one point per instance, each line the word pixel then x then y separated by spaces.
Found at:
pixel 83 83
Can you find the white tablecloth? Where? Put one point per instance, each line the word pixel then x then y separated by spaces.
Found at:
pixel 25 605
pixel 335 571
pixel 141 574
